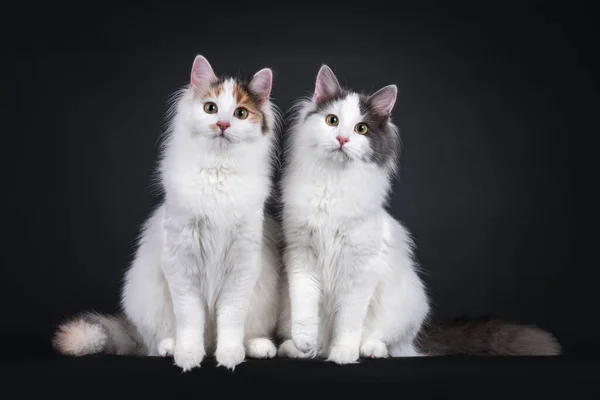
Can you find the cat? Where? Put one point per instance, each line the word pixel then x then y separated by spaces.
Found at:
pixel 206 271
pixel 351 284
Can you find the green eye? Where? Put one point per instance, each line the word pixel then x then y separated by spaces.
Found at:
pixel 361 128
pixel 332 120
pixel 210 107
pixel 241 113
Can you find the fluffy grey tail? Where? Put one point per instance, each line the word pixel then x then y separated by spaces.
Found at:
pixel 92 333
pixel 486 337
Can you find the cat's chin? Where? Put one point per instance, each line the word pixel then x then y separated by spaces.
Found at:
pixel 338 155
pixel 221 138
pixel 233 138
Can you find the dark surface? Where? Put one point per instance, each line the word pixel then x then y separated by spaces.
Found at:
pixel 106 373
pixel 495 104
pixel 31 360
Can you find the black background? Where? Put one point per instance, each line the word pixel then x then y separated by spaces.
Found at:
pixel 494 101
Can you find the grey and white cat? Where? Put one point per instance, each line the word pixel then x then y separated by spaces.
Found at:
pixel 352 286
pixel 205 276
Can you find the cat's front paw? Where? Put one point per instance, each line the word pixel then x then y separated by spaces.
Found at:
pixel 166 347
pixel 230 356
pixel 288 349
pixel 188 355
pixel 261 348
pixel 305 339
pixel 305 343
pixel 373 349
pixel 341 354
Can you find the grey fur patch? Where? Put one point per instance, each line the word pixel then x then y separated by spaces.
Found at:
pixel 264 125
pixel 486 337
pixel 383 138
pixel 219 81
pixel 322 105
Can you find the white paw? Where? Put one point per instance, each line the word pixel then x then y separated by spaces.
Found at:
pixel 261 348
pixel 166 347
pixel 343 354
pixel 373 349
pixel 288 349
pixel 188 355
pixel 230 356
pixel 306 340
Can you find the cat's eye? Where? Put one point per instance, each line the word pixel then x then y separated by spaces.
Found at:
pixel 241 113
pixel 332 120
pixel 361 128
pixel 210 107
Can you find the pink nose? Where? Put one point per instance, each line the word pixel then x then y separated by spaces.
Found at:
pixel 342 140
pixel 223 125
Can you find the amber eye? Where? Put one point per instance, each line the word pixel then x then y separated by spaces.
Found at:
pixel 241 113
pixel 361 128
pixel 210 107
pixel 332 120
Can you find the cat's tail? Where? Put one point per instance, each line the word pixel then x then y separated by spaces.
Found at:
pixel 486 336
pixel 93 333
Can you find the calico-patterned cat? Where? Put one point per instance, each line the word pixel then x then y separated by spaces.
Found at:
pixel 206 272
pixel 352 286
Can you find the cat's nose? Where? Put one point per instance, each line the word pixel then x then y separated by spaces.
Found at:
pixel 342 140
pixel 223 125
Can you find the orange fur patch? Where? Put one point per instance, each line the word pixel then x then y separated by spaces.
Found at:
pixel 244 100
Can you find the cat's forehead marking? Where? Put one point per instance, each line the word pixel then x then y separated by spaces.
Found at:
pixel 347 105
pixel 326 102
pixel 350 105
pixel 226 98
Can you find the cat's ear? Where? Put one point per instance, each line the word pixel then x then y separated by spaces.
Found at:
pixel 327 84
pixel 261 85
pixel 382 102
pixel 202 74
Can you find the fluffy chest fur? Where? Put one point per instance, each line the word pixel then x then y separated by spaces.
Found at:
pixel 224 187
pixel 319 194
pixel 336 213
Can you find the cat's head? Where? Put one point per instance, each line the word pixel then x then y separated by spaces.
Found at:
pixel 227 110
pixel 349 127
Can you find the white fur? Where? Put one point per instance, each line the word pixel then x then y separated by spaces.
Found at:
pixel 352 285
pixel 205 275
pixel 166 347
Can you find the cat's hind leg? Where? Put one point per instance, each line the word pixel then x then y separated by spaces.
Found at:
pixel 399 305
pixel 145 297
pixel 393 321
pixel 264 304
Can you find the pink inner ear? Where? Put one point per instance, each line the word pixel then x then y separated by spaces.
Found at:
pixel 382 101
pixel 202 74
pixel 261 84
pixel 326 84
